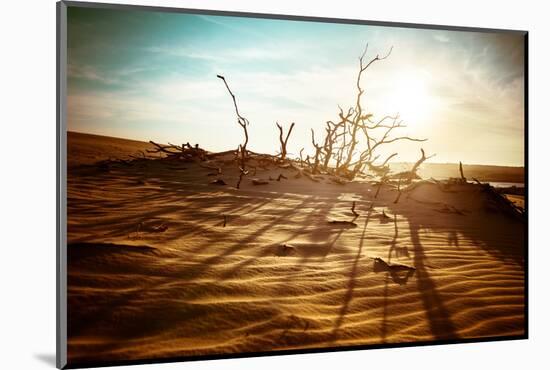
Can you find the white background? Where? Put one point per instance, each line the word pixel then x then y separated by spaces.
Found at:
pixel 27 181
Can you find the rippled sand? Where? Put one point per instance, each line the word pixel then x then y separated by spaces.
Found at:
pixel 153 271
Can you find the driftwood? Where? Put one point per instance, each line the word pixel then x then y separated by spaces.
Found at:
pixel 399 273
pixel 419 162
pixel 285 250
pixel 242 173
pixel 382 169
pixel 462 173
pixel 348 148
pixel 393 266
pixel 242 121
pixel 301 159
pixel 166 149
pixel 285 141
pixel 259 182
pixel 185 151
pixel 318 151
pixel 159 228
pixel 359 117
pixel 408 176
pixel 218 182
pixel 498 202
pixel 342 138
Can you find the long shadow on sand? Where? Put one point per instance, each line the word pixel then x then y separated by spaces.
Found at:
pixel 168 189
pixel 483 230
pixel 351 282
pixel 438 316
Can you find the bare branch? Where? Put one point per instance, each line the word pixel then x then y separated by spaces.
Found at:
pixel 243 122
pixel 462 173
pixel 285 141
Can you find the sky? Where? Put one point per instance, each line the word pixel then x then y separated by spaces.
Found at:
pixel 152 76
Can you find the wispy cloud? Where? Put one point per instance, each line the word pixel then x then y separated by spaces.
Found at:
pixel 441 38
pixel 220 55
pixel 161 84
pixel 89 73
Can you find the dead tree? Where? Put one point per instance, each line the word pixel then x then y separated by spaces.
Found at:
pixel 354 140
pixel 333 133
pixel 408 176
pixel 242 173
pixel 184 151
pixel 165 149
pixel 359 117
pixel 462 178
pixel 419 162
pixel 285 141
pixel 243 122
pixel 318 151
pixel 382 169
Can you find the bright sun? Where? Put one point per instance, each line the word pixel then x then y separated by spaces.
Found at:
pixel 411 98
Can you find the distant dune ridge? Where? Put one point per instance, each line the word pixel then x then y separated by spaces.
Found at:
pixel 164 261
pixel 84 150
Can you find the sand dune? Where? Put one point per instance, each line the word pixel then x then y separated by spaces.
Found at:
pixel 481 172
pixel 153 271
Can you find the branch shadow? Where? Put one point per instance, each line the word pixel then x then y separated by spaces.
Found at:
pixel 351 283
pixel 439 318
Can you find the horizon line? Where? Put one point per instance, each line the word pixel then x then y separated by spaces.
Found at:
pixel 400 162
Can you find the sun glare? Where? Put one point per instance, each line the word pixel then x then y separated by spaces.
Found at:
pixel 411 97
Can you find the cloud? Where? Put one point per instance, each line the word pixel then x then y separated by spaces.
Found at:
pixel 223 55
pixel 441 38
pixel 167 90
pixel 196 106
pixel 89 73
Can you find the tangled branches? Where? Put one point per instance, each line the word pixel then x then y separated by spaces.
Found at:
pixel 352 143
pixel 185 151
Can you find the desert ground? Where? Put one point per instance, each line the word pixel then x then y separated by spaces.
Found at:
pixel 166 261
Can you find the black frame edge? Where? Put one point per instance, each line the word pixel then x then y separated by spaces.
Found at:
pixel 526 177
pixel 288 17
pixel 61 189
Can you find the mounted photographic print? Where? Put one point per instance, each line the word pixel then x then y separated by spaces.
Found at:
pixel 235 184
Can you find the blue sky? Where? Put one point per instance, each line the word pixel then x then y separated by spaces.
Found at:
pixel 152 76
